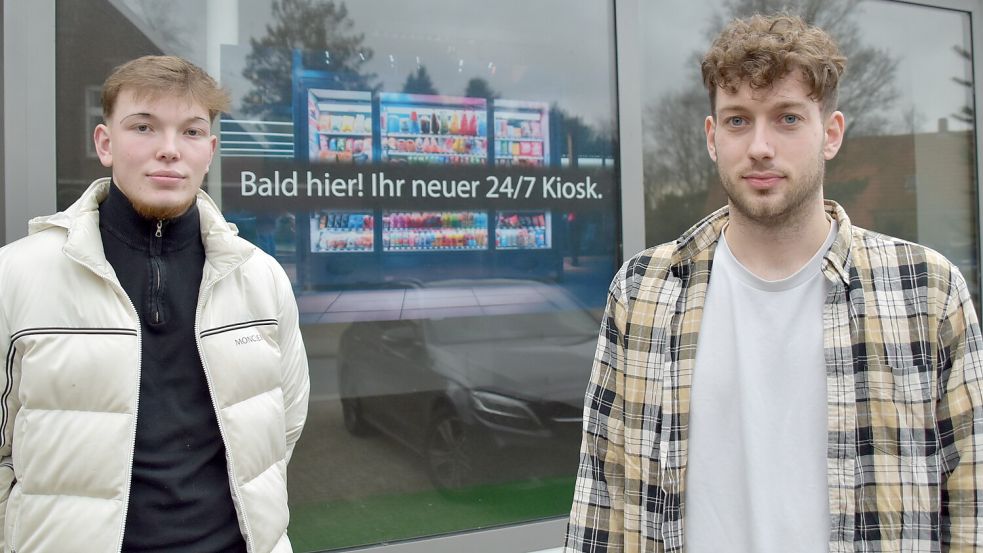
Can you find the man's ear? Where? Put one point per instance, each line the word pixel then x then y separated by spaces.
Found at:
pixel 711 129
pixel 834 131
pixel 102 141
pixel 214 143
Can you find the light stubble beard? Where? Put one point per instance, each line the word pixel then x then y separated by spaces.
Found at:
pixel 798 198
pixel 160 212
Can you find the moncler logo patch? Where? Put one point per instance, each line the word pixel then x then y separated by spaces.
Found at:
pixel 247 339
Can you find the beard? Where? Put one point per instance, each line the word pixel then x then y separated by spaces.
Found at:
pixel 160 212
pixel 780 211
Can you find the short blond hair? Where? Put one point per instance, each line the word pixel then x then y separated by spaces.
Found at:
pixel 761 50
pixel 156 76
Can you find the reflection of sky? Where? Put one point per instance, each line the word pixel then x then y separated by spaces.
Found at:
pixel 920 38
pixel 563 50
pixel 557 51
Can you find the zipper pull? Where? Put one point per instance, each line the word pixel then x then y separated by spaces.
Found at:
pixel 160 226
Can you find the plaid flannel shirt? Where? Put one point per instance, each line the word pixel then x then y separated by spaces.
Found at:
pixel 905 403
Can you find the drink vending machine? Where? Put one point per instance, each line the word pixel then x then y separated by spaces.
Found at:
pixel 342 231
pixel 525 246
pixel 335 123
pixel 422 128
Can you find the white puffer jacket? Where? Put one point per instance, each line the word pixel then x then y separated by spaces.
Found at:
pixel 68 394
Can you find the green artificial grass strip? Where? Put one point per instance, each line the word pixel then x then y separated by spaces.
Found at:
pixel 379 519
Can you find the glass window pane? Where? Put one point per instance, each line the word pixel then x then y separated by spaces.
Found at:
pixel 907 166
pixel 438 179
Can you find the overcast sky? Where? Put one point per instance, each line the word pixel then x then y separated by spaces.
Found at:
pixel 562 51
pixel 920 38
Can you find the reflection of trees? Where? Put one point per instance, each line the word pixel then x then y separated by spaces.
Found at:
pixel 678 171
pixel 675 126
pixel 166 24
pixel 307 25
pixel 577 138
pixel 966 113
pixel 480 88
pixel 419 82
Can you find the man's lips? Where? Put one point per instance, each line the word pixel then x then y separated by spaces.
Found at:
pixel 166 177
pixel 763 181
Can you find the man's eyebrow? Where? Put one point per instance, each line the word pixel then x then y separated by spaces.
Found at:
pixel 794 104
pixel 137 114
pixel 151 116
pixel 789 104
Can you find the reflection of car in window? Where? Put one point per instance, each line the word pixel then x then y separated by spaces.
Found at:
pixel 459 389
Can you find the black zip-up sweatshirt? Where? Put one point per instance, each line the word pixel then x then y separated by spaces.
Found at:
pixel 180 499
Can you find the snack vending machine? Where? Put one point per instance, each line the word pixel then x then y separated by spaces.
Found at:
pixel 521 133
pixel 419 128
pixel 339 126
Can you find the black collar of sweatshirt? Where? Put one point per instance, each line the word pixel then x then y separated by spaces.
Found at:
pixel 160 271
pixel 179 485
pixel 117 216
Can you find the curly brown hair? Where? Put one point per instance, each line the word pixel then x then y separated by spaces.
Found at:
pixel 155 76
pixel 761 50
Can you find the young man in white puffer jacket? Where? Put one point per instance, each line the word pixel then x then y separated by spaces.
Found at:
pixel 154 381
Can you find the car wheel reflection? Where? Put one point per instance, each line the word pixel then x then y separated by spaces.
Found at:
pixel 355 424
pixel 352 411
pixel 450 451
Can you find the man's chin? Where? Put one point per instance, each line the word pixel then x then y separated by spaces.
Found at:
pixel 161 211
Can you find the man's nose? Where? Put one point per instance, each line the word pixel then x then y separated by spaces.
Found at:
pixel 167 149
pixel 761 143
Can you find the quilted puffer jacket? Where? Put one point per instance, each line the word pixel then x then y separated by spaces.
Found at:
pixel 69 390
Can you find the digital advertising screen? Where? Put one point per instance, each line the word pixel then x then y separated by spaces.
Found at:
pixel 407 185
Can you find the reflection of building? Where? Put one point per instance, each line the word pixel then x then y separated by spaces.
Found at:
pixel 79 78
pixel 902 185
pixel 908 186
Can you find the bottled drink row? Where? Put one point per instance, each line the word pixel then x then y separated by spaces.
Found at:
pixel 521 238
pixel 505 148
pixel 333 240
pixel 339 123
pixel 435 145
pixel 339 231
pixel 434 219
pixel 434 239
pixel 434 122
pixel 346 220
pixel 516 219
pixel 509 128
pixel 344 150
pixel 342 232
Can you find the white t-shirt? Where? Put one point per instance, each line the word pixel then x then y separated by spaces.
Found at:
pixel 756 477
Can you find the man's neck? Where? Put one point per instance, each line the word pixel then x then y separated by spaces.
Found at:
pixel 777 252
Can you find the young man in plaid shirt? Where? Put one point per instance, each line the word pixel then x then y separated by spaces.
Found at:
pixel 822 391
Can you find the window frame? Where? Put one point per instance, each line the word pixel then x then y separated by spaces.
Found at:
pixel 28 165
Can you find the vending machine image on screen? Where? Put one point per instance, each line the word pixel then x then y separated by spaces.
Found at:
pixel 339 124
pixel 442 130
pixel 522 135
